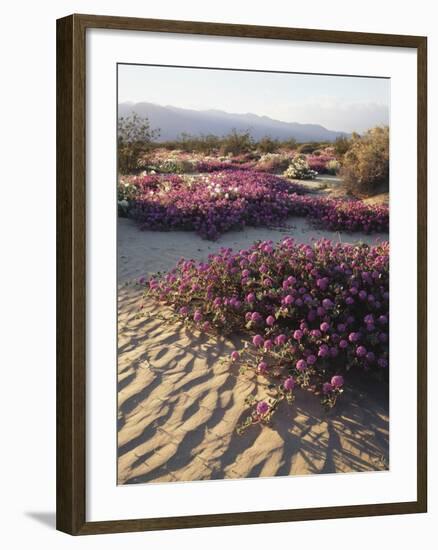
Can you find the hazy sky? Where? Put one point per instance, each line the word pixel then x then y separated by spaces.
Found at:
pixel 343 103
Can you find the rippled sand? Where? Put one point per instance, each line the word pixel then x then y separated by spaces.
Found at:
pixel 178 405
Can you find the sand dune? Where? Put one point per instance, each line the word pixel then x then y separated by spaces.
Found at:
pixel 179 405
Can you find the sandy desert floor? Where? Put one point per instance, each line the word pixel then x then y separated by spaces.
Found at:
pixel 178 405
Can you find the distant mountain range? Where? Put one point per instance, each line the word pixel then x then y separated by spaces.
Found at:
pixel 173 121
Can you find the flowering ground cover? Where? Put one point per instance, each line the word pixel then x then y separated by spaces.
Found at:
pixel 207 166
pixel 180 162
pixel 323 164
pixel 214 203
pixel 164 161
pixel 309 314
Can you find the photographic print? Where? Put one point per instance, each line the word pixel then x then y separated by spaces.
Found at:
pixel 253 274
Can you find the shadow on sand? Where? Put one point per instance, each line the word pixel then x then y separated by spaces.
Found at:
pixel 179 407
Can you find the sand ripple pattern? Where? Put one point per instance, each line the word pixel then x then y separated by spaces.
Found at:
pixel 178 405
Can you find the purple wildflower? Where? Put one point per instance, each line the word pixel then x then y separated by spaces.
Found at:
pixel 262 408
pixel 289 383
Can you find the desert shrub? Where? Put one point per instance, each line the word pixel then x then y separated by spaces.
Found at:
pixel 275 163
pixel 290 143
pixel 306 148
pixel 268 145
pixel 309 148
pixel 365 167
pixel 206 144
pixel 237 143
pixel 341 146
pixel 126 193
pixel 332 167
pixel 134 139
pixel 173 163
pixel 176 166
pixel 299 169
pixel 213 165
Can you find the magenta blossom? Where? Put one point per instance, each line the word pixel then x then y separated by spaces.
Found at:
pixel 301 365
pixel 281 339
pixel 257 340
pixel 262 408
pixel 270 320
pixel 311 316
pixel 268 344
pixel 289 383
pixel 232 199
pixel 322 283
pixel 197 316
pixel 354 337
pixel 337 381
pixel 262 367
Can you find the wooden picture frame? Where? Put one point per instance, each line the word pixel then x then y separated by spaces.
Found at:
pixel 71 272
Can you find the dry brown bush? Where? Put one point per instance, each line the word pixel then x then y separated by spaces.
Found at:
pixel 365 166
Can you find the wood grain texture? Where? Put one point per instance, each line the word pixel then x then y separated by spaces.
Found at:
pixel 71 269
pixel 247 31
pixel 422 274
pixel 70 276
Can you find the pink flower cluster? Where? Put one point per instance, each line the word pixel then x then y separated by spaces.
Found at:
pixel 319 162
pixel 311 312
pixel 214 204
pixel 208 166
